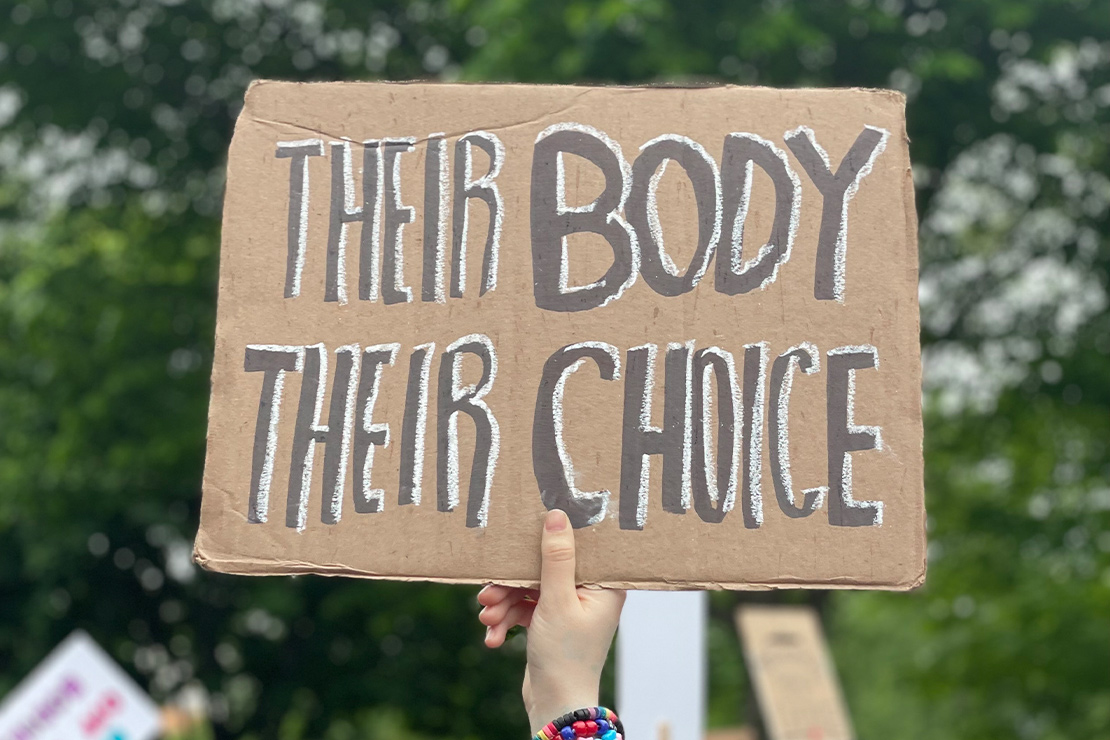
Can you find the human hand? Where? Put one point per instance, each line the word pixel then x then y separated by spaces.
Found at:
pixel 569 629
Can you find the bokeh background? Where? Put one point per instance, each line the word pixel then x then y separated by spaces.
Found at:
pixel 115 116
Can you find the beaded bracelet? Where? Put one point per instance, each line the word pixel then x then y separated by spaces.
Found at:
pixel 590 722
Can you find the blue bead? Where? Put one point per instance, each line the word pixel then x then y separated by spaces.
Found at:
pixel 610 735
pixel 568 733
pixel 602 727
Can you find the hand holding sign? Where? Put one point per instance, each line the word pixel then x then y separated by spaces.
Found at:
pixel 570 629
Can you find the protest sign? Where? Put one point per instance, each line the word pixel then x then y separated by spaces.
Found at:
pixel 687 317
pixel 793 674
pixel 78 693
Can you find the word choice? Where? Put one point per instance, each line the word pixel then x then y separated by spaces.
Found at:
pixel 697 472
pixel 625 213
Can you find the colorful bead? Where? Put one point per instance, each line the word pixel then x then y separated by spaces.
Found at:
pixel 588 723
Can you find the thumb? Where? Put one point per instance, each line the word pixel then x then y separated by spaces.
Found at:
pixel 557 550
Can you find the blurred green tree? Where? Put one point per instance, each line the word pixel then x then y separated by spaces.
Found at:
pixel 114 119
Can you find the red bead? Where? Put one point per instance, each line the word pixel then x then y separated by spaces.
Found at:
pixel 591 728
pixel 580 729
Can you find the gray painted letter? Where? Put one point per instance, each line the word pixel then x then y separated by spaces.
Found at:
pixel 274 361
pixel 806 357
pixel 551 462
pixel 640 440
pixel 483 188
pixel 553 220
pixel 298 152
pixel 755 383
pixel 657 267
pixel 368 433
pixel 396 217
pixel 837 190
pixel 741 153
pixel 436 205
pixel 714 487
pixel 845 437
pixel 454 397
pixel 414 425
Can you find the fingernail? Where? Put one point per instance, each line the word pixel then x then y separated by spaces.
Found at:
pixel 556 521
pixel 488 631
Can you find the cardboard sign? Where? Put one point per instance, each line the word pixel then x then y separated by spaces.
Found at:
pixel 78 693
pixel 687 317
pixel 795 681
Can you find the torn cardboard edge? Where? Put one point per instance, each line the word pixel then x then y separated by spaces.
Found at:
pixel 257 567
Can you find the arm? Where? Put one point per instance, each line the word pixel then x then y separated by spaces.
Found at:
pixel 570 629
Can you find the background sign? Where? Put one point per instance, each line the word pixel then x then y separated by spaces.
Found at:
pixel 78 693
pixel 793 674
pixel 688 317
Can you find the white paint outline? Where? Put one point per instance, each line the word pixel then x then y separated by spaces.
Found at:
pixel 348 419
pixel 266 477
pixel 376 218
pixel 348 209
pixel 655 226
pixel 709 459
pixel 316 428
pixel 841 251
pixel 485 182
pixel 645 426
pixel 409 144
pixel 368 493
pixel 736 238
pixel 615 215
pixel 458 391
pixel 603 495
pixel 302 224
pixel 875 432
pixel 782 418
pixel 687 495
pixel 755 441
pixel 429 350
pixel 439 140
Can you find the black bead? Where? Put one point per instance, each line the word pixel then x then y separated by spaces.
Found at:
pixel 581 714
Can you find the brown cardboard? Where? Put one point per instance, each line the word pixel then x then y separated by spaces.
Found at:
pixel 521 305
pixel 794 678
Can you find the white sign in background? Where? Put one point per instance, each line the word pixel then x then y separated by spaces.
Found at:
pixel 78 693
pixel 661 665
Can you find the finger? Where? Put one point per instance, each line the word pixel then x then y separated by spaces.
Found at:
pixel 494 613
pixel 557 566
pixel 493 593
pixel 520 613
